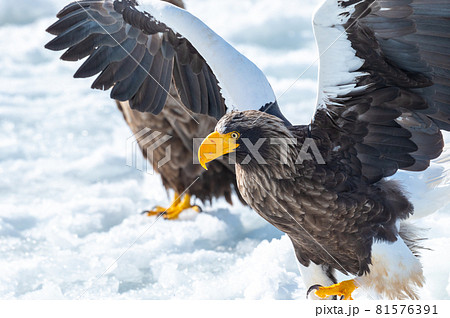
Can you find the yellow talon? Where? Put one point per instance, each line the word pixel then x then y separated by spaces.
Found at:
pixel 345 288
pixel 175 209
pixel 156 211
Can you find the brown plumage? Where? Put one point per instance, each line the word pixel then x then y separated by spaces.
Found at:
pixel 156 87
pixel 180 173
pixel 333 202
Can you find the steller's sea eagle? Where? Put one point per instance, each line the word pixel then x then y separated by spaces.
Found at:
pixel 383 100
pixel 384 97
pixel 159 92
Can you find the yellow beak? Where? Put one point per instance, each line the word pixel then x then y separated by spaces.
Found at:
pixel 214 146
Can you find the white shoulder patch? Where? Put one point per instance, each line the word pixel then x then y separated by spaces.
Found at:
pixel 246 84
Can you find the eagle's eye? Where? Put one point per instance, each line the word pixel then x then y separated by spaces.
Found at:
pixel 234 135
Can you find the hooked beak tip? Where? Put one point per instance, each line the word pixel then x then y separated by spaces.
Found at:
pixel 203 165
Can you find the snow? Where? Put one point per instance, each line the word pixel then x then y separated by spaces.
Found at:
pixel 69 205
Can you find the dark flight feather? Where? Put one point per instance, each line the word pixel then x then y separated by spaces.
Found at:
pixel 406 87
pixel 83 29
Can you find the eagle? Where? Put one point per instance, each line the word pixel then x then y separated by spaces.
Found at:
pixel 166 101
pixel 384 88
pixel 384 97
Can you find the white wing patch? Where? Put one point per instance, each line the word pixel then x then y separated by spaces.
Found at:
pixel 338 60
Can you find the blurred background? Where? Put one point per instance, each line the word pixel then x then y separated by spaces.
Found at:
pixel 69 204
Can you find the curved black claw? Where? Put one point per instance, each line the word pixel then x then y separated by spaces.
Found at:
pixel 200 210
pixel 311 288
pixel 316 287
pixel 149 211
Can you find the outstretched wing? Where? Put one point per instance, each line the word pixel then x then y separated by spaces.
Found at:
pixel 384 81
pixel 135 55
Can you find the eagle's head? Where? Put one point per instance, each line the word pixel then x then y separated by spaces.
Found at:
pixel 254 137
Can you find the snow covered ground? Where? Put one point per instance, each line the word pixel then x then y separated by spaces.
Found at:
pixel 69 205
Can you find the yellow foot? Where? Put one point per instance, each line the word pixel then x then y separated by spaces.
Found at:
pixel 345 289
pixel 175 209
